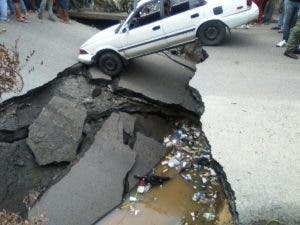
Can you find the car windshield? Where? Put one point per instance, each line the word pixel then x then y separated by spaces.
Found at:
pixel 123 21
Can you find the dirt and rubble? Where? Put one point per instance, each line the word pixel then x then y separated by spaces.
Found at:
pixel 77 142
pixel 184 188
pixel 118 133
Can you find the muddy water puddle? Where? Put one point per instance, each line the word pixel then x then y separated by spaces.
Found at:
pixel 171 204
pixel 193 195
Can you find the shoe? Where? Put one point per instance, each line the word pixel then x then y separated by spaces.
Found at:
pixel 280 31
pixel 245 26
pixel 40 15
pixel 51 18
pixel 281 43
pixel 297 51
pixel 22 20
pixel 290 55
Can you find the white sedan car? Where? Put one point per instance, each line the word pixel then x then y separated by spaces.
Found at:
pixel 156 25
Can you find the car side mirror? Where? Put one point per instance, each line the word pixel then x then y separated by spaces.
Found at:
pixel 125 29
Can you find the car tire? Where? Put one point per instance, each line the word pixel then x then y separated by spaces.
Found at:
pixel 110 63
pixel 212 33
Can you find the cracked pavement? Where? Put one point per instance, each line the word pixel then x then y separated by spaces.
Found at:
pixel 251 95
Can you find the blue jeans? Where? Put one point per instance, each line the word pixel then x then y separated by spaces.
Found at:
pixel 23 7
pixel 280 20
pixel 269 9
pixel 290 14
pixel 3 10
pixel 49 7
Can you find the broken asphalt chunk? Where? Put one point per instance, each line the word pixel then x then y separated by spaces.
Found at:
pixel 54 136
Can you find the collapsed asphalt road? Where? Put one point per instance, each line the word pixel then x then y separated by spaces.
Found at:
pixel 70 145
pixel 74 141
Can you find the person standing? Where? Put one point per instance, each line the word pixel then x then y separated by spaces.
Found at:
pixel 49 4
pixel 63 8
pixel 291 8
pixel 19 15
pixel 293 43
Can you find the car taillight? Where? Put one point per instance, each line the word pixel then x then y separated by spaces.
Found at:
pixel 249 2
pixel 83 52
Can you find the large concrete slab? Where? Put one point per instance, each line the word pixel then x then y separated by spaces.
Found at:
pixel 158 77
pixel 56 47
pixel 94 185
pixel 54 136
pixel 148 153
pixel 252 120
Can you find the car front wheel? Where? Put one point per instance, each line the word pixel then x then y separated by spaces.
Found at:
pixel 110 63
pixel 212 33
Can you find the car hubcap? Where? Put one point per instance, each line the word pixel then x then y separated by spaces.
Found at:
pixel 211 33
pixel 110 64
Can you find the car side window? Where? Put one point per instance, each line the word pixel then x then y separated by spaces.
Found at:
pixel 179 6
pixel 147 14
pixel 196 3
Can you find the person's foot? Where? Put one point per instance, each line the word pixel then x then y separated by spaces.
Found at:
pixel 51 18
pixel 2 30
pixel 275 28
pixel 266 23
pixel 280 31
pixel 245 26
pixel 22 20
pixel 290 55
pixel 281 43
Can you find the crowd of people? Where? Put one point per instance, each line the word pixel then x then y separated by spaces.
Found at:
pixel 21 9
pixel 288 23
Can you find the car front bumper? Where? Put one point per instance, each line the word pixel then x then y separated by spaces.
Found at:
pixel 85 58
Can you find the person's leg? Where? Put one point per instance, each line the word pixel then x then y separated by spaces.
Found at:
pixel 294 40
pixel 280 20
pixel 289 13
pixel 3 10
pixel 33 4
pixel 11 7
pixel 64 6
pixel 19 14
pixel 23 8
pixel 50 10
pixel 269 11
pixel 42 8
pixel 66 16
pixel 260 8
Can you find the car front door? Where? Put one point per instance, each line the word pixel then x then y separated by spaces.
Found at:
pixel 143 32
pixel 185 17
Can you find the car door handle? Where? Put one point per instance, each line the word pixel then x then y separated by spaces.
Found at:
pixel 194 15
pixel 156 28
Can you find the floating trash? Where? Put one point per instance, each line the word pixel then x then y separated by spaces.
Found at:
pixel 209 216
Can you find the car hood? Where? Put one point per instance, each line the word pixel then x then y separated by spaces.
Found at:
pixel 102 35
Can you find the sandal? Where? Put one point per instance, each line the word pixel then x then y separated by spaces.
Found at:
pixel 22 20
pixel 24 16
